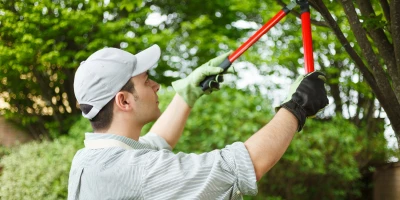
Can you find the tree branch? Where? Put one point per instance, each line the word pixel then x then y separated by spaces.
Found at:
pixel 334 85
pixel 391 111
pixel 367 50
pixel 385 48
pixel 386 9
pixel 388 100
pixel 346 45
pixel 369 113
pixel 395 28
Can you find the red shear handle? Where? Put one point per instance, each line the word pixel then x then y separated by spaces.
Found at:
pixel 257 35
pixel 307 38
pixel 208 81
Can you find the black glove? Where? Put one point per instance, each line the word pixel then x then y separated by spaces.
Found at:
pixel 306 97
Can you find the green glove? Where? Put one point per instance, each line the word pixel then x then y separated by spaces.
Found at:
pixel 307 95
pixel 189 88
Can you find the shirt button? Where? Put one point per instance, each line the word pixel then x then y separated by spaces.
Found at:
pixel 238 192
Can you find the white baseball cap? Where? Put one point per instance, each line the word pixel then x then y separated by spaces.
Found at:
pixel 105 72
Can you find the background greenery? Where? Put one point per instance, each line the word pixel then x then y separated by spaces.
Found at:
pixel 43 42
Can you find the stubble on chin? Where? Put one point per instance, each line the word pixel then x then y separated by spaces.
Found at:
pixel 157 115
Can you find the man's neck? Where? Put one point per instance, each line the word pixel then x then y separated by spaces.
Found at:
pixel 130 131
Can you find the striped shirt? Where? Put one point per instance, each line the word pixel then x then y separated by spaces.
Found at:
pixel 116 167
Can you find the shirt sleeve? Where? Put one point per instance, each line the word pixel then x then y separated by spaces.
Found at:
pixel 155 141
pixel 220 174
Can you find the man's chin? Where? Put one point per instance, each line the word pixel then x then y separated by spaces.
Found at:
pixel 156 116
pixel 159 113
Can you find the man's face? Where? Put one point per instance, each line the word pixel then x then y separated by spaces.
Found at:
pixel 145 95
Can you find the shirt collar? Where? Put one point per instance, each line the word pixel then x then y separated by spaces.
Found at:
pixel 128 141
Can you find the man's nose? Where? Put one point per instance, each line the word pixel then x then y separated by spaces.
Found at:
pixel 156 86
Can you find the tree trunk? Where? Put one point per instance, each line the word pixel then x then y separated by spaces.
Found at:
pixel 377 79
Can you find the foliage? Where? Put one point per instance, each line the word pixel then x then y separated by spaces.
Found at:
pixel 4 151
pixel 45 168
pixel 43 174
pixel 358 69
pixel 43 42
pixel 78 130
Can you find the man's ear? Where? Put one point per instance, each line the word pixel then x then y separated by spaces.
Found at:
pixel 123 102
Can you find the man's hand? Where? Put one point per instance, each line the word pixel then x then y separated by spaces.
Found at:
pixel 189 88
pixel 306 97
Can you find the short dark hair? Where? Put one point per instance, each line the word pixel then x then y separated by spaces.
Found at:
pixel 104 118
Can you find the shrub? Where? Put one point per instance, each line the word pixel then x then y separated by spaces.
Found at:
pixel 37 170
pixel 3 152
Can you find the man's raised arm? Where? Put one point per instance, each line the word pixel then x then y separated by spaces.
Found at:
pixel 171 123
pixel 306 97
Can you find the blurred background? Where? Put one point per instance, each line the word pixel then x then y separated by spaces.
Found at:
pixel 349 151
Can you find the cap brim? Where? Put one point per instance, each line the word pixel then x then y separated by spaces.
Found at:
pixel 146 59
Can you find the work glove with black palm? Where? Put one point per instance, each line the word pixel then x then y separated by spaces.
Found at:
pixel 189 88
pixel 306 97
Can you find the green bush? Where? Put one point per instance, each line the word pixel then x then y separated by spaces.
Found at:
pixel 3 152
pixel 37 170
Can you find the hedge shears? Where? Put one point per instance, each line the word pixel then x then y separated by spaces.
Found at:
pixel 210 81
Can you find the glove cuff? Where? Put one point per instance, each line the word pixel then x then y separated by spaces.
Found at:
pixel 189 93
pixel 297 111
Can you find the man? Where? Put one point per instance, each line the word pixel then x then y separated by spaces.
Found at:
pixel 115 93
